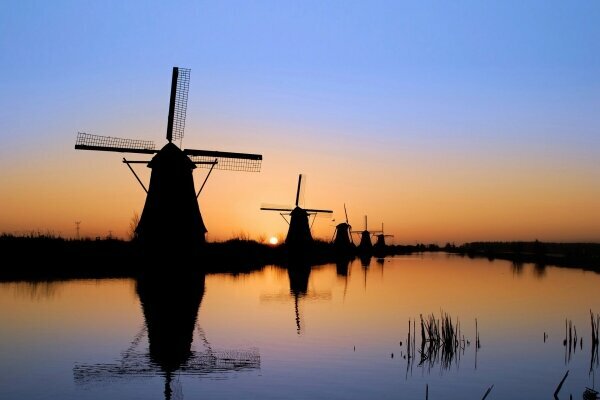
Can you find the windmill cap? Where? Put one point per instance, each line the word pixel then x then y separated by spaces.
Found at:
pixel 172 156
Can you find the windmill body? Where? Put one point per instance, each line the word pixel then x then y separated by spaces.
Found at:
pixel 365 240
pixel 380 240
pixel 299 235
pixel 342 240
pixel 342 237
pixel 380 245
pixel 299 230
pixel 171 204
pixel 171 217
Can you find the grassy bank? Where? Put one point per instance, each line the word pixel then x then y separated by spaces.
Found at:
pixel 42 257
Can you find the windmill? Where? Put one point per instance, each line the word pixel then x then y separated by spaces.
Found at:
pixel 342 237
pixel 298 235
pixel 171 216
pixel 380 244
pixel 365 245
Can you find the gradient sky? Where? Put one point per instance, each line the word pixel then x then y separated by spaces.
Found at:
pixel 449 121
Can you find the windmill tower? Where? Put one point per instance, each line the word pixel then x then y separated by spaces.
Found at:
pixel 171 216
pixel 380 243
pixel 342 237
pixel 365 245
pixel 298 235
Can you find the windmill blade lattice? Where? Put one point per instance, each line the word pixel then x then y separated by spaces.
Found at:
pixel 225 160
pixel 180 86
pixel 301 190
pixel 86 141
pixel 316 211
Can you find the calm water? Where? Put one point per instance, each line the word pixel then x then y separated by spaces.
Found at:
pixel 324 333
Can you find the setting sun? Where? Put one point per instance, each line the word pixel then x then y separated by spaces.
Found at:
pixel 273 240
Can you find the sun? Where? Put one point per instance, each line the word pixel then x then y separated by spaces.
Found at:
pixel 273 240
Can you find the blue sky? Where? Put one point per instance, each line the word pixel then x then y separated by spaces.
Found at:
pixel 390 84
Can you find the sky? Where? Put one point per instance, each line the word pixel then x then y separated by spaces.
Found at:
pixel 447 121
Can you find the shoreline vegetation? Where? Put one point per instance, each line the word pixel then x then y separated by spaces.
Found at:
pixel 47 257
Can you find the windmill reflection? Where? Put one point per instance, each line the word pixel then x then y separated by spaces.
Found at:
pixel 342 270
pixel 298 275
pixel 365 263
pixel 342 267
pixel 170 305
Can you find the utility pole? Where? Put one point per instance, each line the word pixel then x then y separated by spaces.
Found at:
pixel 77 223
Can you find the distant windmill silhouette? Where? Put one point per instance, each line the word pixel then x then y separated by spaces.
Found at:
pixel 365 246
pixel 298 235
pixel 171 216
pixel 342 237
pixel 380 244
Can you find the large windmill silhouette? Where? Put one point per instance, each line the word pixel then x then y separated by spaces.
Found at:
pixel 298 236
pixel 171 216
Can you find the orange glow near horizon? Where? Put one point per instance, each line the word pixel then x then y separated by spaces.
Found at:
pixel 420 199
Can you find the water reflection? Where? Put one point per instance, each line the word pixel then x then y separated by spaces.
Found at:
pixel 299 276
pixel 517 267
pixel 365 260
pixel 539 270
pixel 342 270
pixel 170 305
pixel 353 345
pixel 35 290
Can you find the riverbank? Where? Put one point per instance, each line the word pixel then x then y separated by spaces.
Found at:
pixel 569 255
pixel 48 257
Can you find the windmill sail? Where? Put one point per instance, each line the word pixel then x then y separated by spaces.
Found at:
pixel 225 160
pixel 180 85
pixel 314 210
pixel 86 141
pixel 276 207
pixel 300 189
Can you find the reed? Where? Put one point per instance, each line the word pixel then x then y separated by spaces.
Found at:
pixel 441 340
pixel 595 323
pixel 560 385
